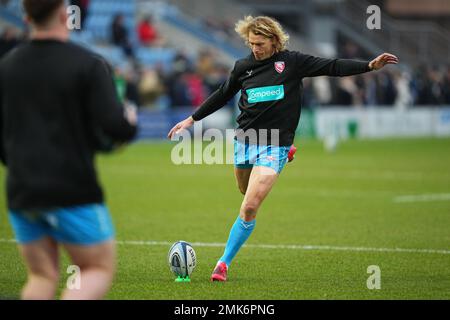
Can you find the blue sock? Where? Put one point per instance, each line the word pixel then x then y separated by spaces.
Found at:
pixel 239 233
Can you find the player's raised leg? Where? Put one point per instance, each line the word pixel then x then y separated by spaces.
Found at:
pixel 242 177
pixel 97 265
pixel 260 183
pixel 41 259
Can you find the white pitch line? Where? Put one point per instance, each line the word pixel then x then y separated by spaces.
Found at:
pixel 280 246
pixel 423 198
pixel 8 240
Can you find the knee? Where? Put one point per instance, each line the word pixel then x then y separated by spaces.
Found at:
pixel 250 209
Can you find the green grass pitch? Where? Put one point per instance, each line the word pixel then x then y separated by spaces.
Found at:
pixel 335 203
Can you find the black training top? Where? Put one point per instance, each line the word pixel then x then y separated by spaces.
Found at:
pixel 55 99
pixel 271 90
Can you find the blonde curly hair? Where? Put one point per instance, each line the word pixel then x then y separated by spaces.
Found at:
pixel 265 26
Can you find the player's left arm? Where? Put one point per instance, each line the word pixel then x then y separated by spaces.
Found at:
pixel 310 66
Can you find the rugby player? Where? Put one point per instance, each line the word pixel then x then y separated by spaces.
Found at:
pixel 270 82
pixel 58 103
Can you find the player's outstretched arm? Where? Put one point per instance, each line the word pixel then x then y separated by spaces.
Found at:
pixel 382 60
pixel 185 124
pixel 310 66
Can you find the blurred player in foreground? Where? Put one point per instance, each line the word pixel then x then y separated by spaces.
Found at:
pixel 56 101
pixel 269 80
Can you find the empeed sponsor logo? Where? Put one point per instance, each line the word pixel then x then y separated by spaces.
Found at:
pixel 262 94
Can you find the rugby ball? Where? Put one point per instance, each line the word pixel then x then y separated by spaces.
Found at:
pixel 182 259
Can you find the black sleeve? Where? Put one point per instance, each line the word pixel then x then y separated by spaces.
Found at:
pixel 310 66
pixel 220 97
pixel 104 108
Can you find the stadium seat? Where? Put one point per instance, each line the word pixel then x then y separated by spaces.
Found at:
pixel 113 55
pixel 156 56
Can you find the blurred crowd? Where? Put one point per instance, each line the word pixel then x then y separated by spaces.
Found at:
pixel 187 84
pixel 425 85
pixel 397 86
pixel 190 80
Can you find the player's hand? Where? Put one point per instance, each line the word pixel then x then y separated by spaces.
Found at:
pixel 382 60
pixel 181 126
pixel 130 113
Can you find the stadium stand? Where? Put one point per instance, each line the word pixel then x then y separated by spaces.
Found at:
pixel 169 76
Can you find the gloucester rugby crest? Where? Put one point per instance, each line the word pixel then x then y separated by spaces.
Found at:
pixel 279 66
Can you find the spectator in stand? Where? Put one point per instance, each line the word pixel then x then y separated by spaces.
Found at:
pixel 187 89
pixel 196 88
pixel 217 76
pixel 175 87
pixel 351 50
pixel 446 87
pixel 205 62
pixel 404 96
pixel 148 35
pixel 151 85
pixel 308 97
pixel 321 91
pixel 426 86
pixel 343 91
pixel 119 35
pixel 370 89
pixel 131 74
pixel 386 93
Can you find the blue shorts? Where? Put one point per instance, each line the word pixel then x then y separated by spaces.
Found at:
pixel 249 155
pixel 81 225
